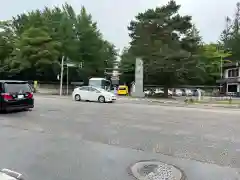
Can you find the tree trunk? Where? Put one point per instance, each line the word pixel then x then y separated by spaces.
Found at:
pixel 165 92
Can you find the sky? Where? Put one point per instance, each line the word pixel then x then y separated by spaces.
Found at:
pixel 113 16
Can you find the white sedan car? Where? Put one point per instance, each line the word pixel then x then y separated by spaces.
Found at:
pixel 89 93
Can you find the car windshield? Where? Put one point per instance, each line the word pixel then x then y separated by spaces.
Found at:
pixel 17 88
pixel 122 88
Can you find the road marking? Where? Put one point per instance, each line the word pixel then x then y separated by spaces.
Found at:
pixel 151 128
pixel 138 126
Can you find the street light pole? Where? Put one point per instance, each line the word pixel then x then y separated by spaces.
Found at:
pixel 221 73
pixel 67 79
pixel 221 66
pixel 61 78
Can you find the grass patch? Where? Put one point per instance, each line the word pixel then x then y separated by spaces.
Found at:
pixel 226 102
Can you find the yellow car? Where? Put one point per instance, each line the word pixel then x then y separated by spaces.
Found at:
pixel 123 90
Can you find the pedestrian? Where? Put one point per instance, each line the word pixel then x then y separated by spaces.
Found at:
pixel 199 94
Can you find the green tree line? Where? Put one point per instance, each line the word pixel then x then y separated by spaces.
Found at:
pixel 32 45
pixel 173 51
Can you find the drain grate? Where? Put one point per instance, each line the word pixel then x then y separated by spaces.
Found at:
pixel 147 169
pixel 155 170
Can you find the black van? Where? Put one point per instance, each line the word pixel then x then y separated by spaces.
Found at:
pixel 15 95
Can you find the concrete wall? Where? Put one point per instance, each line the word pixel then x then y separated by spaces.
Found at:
pixel 53 89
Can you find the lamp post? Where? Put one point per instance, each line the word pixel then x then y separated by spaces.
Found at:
pixel 221 73
pixel 69 65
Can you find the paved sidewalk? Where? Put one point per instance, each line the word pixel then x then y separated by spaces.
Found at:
pixel 165 102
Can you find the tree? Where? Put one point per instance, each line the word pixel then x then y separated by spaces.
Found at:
pixel 127 66
pixel 230 37
pixel 6 49
pixel 167 42
pixel 213 57
pixel 37 49
pixel 40 38
pixel 226 34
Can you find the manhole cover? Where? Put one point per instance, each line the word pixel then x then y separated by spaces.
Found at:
pixel 155 170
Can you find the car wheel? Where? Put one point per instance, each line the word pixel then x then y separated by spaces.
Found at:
pixel 101 99
pixel 77 97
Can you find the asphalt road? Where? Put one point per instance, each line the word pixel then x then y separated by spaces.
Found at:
pixel 61 139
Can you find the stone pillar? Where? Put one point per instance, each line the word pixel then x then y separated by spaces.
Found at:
pixel 138 79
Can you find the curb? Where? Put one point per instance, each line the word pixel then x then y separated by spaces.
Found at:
pixel 166 103
pixel 237 106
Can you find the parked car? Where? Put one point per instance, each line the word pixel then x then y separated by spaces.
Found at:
pixel 170 93
pixel 15 95
pixel 161 91
pixel 147 92
pixel 90 93
pixel 195 92
pixel 122 90
pixel 187 92
pixel 178 92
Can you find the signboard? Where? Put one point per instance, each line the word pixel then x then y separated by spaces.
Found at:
pixel 71 65
pixel 115 82
pixel 77 83
pixel 115 78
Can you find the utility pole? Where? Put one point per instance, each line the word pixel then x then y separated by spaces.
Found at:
pixel 221 73
pixel 67 79
pixel 221 66
pixel 61 78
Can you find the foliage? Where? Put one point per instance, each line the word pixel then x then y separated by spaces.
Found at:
pixel 213 57
pixel 32 44
pixel 173 51
pixel 127 65
pixel 167 42
pixel 230 37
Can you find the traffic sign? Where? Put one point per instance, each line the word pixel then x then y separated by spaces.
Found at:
pixel 115 78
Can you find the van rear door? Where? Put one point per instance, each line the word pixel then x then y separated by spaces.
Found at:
pixel 17 93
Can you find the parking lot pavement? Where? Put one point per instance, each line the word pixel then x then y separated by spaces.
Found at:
pixel 61 139
pixel 57 157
